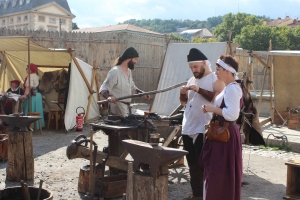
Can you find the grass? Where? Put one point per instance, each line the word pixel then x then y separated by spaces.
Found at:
pixel 273 147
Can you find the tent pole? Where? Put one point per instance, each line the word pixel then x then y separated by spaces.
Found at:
pixel 97 83
pixel 80 70
pixel 29 94
pixel 91 94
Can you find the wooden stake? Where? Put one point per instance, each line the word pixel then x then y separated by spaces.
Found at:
pixel 91 159
pixel 91 94
pixel 129 188
pixel 271 82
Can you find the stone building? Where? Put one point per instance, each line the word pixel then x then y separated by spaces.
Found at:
pixel 45 15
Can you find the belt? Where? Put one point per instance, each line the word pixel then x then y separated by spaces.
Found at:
pixel 224 123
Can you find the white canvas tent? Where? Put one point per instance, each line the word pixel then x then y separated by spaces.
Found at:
pixel 17 52
pixel 176 70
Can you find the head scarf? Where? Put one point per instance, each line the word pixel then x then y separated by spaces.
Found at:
pixel 33 68
pixel 228 67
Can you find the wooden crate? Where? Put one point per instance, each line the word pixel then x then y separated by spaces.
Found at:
pixel 293 124
pixel 113 186
pixel 293 180
pixel 277 119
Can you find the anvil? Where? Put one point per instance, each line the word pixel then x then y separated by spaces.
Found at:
pixel 155 156
pixel 19 123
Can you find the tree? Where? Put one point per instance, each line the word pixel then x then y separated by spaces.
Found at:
pixel 204 40
pixel 295 39
pixel 254 37
pixel 177 37
pixel 234 23
pixel 74 26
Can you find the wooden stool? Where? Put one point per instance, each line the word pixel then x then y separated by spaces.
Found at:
pixel 55 113
pixel 34 123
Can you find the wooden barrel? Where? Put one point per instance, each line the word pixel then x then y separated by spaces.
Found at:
pixel 16 193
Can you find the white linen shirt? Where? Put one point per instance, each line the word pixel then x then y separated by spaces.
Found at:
pixel 232 95
pixel 34 80
pixel 118 84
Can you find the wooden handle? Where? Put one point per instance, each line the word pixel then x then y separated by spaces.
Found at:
pixel 40 189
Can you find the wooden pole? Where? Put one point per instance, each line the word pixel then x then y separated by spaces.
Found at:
pixel 79 68
pixel 29 95
pixel 271 87
pixel 129 187
pixel 271 80
pixel 260 60
pixel 97 83
pixel 91 160
pixel 91 94
pixel 229 43
pixel 251 71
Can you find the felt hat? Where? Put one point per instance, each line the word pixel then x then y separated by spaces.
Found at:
pixel 15 81
pixel 129 53
pixel 195 55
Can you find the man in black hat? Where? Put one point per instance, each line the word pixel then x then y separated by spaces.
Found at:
pixel 119 83
pixel 200 89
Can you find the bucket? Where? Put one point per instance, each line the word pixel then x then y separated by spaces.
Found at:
pixel 15 193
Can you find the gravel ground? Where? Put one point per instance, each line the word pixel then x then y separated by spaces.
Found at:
pixel 264 171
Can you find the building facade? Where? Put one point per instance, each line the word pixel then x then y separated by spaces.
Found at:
pixel 48 15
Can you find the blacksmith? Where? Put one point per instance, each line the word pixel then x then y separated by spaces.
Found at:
pixel 200 89
pixel 119 83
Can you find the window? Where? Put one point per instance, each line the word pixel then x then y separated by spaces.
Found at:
pixel 25 18
pixel 21 2
pixel 11 20
pixel 14 2
pixel 27 1
pixel 52 20
pixel 3 21
pixel 25 28
pixel 18 19
pixel 5 4
pixel 41 18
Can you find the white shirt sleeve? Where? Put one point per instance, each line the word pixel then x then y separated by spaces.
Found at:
pixel 110 81
pixel 232 96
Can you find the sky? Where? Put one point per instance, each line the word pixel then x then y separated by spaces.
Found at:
pixel 96 13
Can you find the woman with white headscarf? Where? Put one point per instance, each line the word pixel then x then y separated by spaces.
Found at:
pixel 222 161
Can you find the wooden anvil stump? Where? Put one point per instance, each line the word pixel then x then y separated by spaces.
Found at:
pixel 20 160
pixel 157 157
pixel 153 185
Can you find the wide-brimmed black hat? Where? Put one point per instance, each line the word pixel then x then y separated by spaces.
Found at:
pixel 129 53
pixel 195 55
